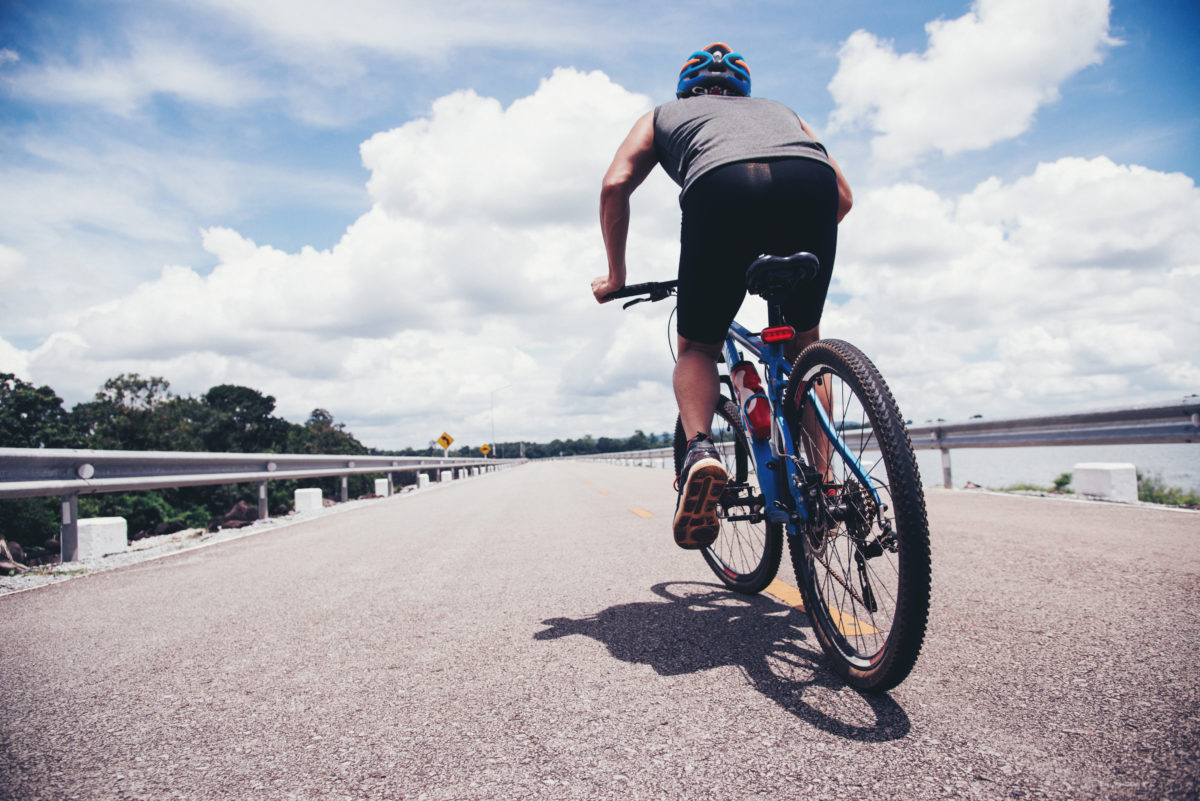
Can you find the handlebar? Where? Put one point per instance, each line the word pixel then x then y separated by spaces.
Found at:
pixel 653 290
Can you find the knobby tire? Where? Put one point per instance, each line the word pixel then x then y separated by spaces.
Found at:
pixel 864 568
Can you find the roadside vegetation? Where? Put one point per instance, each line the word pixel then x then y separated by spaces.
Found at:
pixel 130 412
pixel 1151 489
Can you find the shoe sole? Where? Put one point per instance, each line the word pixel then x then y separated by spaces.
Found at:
pixel 696 524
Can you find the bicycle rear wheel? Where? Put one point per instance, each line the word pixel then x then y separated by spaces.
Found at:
pixel 746 553
pixel 862 563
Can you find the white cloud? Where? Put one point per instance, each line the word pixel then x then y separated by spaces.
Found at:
pixel 399 26
pixel 12 262
pixel 471 271
pixel 93 221
pixel 1072 287
pixel 1094 212
pixel 980 80
pixel 535 161
pixel 123 84
pixel 14 360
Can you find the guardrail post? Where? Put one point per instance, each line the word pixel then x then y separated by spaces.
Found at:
pixel 263 511
pixel 946 482
pixel 68 535
pixel 391 485
pixel 345 488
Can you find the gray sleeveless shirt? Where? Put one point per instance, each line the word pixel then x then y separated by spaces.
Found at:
pixel 698 134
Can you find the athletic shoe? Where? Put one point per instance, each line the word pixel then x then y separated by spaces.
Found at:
pixel 700 486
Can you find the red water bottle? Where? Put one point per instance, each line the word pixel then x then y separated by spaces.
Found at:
pixel 752 399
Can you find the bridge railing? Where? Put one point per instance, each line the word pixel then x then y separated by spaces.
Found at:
pixel 68 473
pixel 1143 425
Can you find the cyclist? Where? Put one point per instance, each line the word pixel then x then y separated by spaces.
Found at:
pixel 754 179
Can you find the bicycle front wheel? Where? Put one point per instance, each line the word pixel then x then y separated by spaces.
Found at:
pixel 746 553
pixel 862 562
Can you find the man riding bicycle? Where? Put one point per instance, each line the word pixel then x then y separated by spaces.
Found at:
pixel 754 179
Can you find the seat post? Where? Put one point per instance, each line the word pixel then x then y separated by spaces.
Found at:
pixel 774 314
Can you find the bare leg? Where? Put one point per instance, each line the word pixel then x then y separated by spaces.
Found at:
pixel 816 445
pixel 697 385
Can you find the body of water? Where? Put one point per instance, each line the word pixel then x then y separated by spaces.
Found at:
pixel 1175 465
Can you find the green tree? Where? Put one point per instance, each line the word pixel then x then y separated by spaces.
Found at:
pixel 638 442
pixel 32 417
pixel 132 413
pixel 240 421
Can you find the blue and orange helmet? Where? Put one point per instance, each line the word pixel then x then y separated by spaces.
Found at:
pixel 714 70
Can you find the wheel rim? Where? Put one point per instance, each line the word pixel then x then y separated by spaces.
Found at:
pixel 738 549
pixel 854 564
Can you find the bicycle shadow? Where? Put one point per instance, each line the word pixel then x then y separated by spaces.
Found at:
pixel 708 627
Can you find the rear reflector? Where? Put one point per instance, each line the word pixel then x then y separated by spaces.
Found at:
pixel 780 333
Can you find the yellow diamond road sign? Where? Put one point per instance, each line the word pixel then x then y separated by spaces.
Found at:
pixel 485 449
pixel 445 440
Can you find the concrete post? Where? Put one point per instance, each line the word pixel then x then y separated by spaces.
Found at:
pixel 946 482
pixel 99 536
pixel 263 511
pixel 345 488
pixel 308 499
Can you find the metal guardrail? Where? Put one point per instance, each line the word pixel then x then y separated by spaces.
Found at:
pixel 37 472
pixel 1144 425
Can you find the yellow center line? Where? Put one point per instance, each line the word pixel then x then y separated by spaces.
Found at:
pixel 850 625
pixel 786 593
pixel 847 624
pixel 641 512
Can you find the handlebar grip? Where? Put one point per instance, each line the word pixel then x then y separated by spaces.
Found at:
pixel 650 288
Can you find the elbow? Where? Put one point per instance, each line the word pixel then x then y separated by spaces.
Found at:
pixel 616 186
pixel 845 202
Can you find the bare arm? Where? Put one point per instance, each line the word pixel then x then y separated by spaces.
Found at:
pixel 634 160
pixel 845 198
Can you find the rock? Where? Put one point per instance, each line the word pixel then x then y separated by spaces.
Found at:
pixel 17 553
pixel 242 513
pixel 164 527
pixel 35 556
pixel 52 545
pixel 9 563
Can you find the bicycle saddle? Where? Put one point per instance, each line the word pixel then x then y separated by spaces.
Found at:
pixel 777 276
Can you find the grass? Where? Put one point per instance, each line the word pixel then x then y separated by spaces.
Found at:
pixel 1151 489
pixel 1061 485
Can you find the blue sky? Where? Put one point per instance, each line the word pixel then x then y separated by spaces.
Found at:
pixel 388 210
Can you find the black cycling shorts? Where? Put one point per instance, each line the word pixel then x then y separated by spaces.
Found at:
pixel 739 211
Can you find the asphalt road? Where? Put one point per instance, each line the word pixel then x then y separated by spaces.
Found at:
pixel 528 634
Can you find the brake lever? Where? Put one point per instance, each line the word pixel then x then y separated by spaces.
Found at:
pixel 635 302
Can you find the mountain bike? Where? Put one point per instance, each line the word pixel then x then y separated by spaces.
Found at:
pixel 818 454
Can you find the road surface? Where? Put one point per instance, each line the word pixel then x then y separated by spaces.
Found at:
pixel 535 634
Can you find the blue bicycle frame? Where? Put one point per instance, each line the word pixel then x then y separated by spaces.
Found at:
pixel 782 474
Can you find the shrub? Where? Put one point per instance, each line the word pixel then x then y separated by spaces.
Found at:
pixel 1151 489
